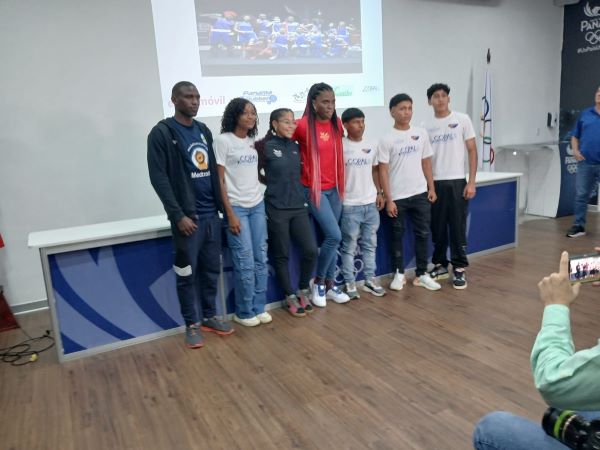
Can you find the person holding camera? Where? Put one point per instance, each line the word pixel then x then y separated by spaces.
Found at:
pixel 565 378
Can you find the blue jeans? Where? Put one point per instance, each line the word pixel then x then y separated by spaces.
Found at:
pixel 586 180
pixel 328 217
pixel 197 268
pixel 358 221
pixel 249 257
pixel 505 431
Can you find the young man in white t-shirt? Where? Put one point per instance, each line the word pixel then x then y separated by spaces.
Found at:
pixel 362 202
pixel 406 178
pixel 452 137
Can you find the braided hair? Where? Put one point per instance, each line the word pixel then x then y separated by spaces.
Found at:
pixel 311 140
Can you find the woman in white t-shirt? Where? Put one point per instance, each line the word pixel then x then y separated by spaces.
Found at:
pixel 242 196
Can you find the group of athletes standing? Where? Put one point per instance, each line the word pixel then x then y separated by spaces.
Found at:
pixel 309 166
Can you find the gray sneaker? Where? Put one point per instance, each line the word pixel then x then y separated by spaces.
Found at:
pixel 214 325
pixel 352 291
pixel 372 286
pixel 193 337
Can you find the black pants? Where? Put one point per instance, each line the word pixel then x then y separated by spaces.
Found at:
pixel 449 223
pixel 197 268
pixel 284 226
pixel 418 209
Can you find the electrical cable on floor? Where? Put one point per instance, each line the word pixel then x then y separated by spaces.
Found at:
pixel 26 352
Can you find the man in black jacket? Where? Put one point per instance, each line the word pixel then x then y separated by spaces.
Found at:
pixel 183 172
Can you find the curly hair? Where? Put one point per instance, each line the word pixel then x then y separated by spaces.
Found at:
pixel 231 115
pixel 312 142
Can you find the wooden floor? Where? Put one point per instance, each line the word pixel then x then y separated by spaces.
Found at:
pixel 411 370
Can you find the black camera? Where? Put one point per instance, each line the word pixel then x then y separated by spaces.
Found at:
pixel 571 429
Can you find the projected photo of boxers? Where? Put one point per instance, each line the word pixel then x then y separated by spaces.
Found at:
pixel 249 37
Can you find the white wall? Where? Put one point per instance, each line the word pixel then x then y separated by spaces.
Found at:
pixel 426 41
pixel 80 91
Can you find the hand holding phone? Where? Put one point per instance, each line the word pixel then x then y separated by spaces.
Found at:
pixel 556 289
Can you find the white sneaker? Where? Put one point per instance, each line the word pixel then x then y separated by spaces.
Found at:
pixel 318 294
pixel 250 322
pixel 337 295
pixel 264 317
pixel 427 282
pixel 398 282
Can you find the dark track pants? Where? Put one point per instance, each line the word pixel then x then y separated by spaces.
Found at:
pixel 449 223
pixel 197 269
pixel 285 226
pixel 418 209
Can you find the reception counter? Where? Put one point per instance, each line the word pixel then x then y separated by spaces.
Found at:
pixel 110 285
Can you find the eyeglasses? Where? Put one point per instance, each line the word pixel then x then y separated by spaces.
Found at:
pixel 249 114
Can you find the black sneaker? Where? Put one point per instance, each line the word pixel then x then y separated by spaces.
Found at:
pixel 439 272
pixel 460 280
pixel 576 231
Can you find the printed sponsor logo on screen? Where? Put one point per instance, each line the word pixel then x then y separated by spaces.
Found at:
pixel 211 100
pixel 260 97
pixel 300 96
pixel 343 91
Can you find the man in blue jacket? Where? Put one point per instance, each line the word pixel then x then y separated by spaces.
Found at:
pixel 585 144
pixel 183 172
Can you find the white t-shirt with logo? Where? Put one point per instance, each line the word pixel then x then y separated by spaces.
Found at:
pixel 447 136
pixel 359 159
pixel 404 150
pixel 240 160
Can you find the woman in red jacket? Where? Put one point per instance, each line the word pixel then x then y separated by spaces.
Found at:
pixel 319 134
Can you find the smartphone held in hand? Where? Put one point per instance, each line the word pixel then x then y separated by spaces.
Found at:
pixel 584 268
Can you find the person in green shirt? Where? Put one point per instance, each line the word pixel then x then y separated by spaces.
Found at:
pixel 566 379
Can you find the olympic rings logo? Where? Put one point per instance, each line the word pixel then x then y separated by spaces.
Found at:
pixel 593 37
pixel 358 267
